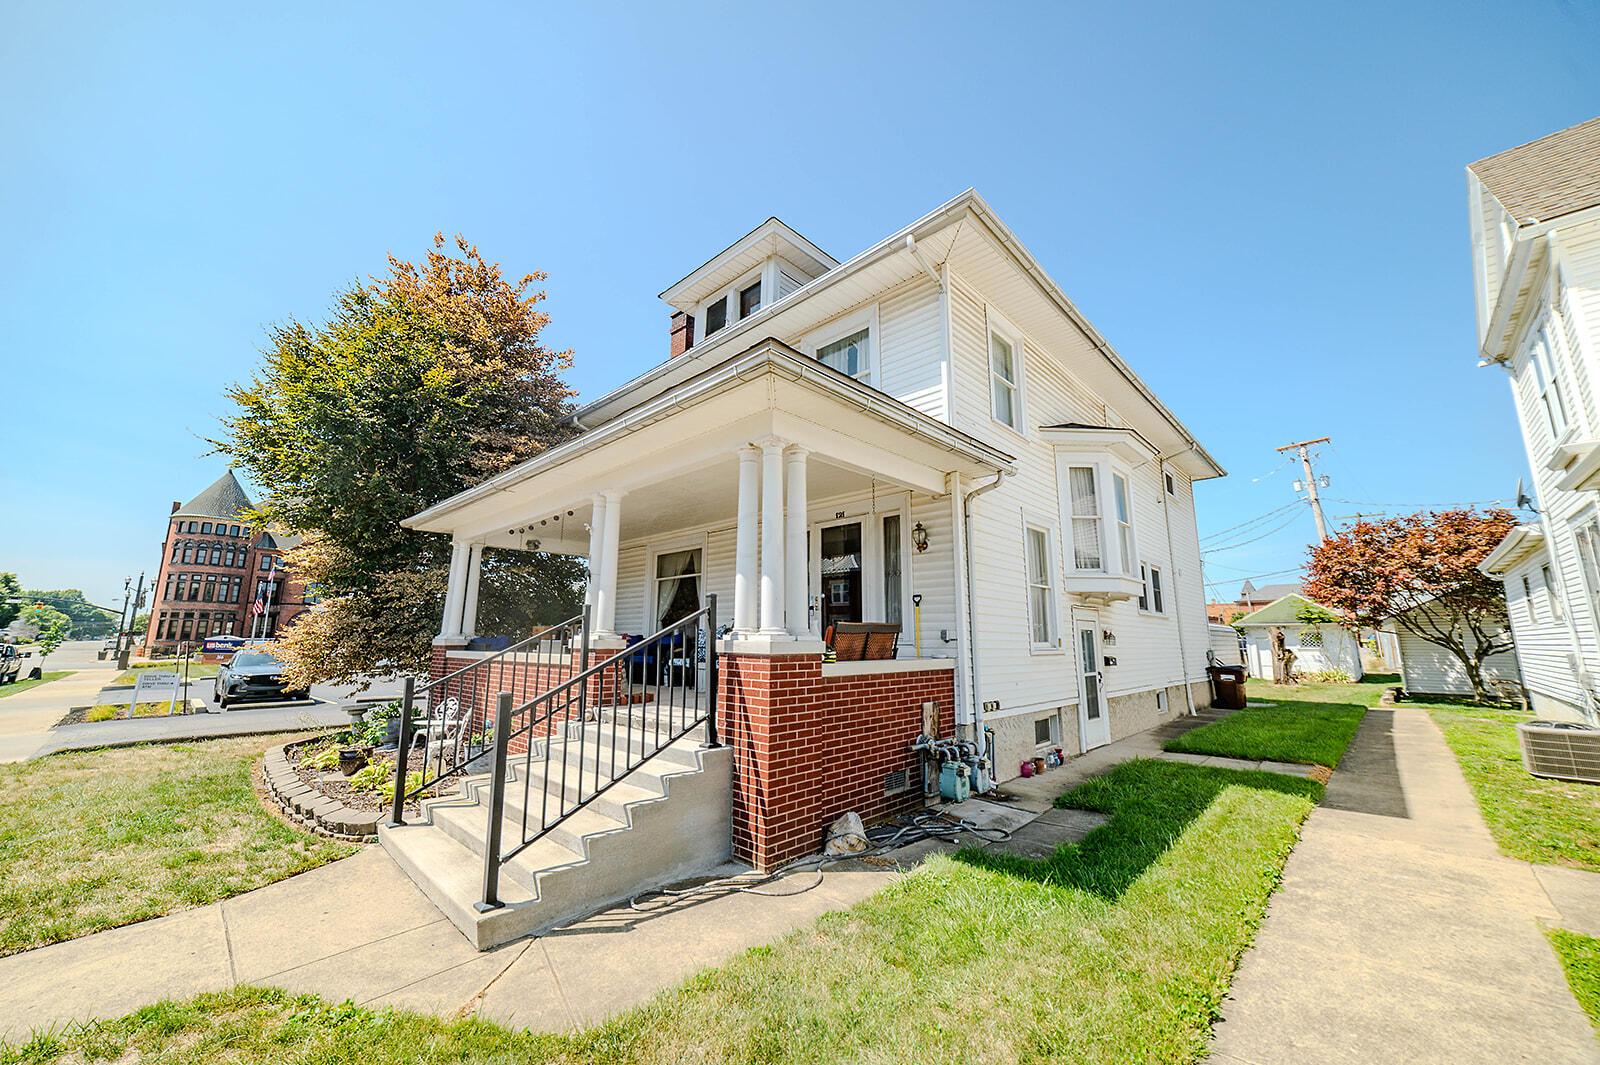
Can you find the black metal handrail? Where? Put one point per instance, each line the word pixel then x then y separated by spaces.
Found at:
pixel 455 719
pixel 637 676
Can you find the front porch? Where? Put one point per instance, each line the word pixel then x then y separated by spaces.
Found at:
pixel 763 516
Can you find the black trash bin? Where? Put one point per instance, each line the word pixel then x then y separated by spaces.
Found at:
pixel 1227 687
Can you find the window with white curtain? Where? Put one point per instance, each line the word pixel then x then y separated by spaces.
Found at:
pixel 677 585
pixel 1086 552
pixel 1041 593
pixel 849 355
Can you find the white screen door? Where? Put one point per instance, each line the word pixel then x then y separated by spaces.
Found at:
pixel 1093 725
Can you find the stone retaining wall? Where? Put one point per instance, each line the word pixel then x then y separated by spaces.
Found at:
pixel 308 807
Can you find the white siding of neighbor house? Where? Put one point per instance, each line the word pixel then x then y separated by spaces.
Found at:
pixel 1548 672
pixel 1428 669
pixel 1340 650
pixel 1020 678
pixel 1224 643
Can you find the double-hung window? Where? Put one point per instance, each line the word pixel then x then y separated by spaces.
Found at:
pixel 1550 591
pixel 750 299
pixel 716 316
pixel 1151 598
pixel 1124 513
pixel 1003 380
pixel 1547 382
pixel 1041 590
pixel 1086 550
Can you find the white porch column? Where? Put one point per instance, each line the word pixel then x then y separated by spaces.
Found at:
pixel 455 589
pixel 744 558
pixel 469 607
pixel 606 620
pixel 597 539
pixel 772 576
pixel 794 537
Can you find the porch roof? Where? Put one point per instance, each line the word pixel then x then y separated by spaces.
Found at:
pixel 681 442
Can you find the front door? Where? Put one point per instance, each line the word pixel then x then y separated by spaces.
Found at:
pixel 1093 725
pixel 842 597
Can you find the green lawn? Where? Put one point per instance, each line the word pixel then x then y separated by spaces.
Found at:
pixel 1580 957
pixel 197 670
pixel 95 839
pixel 1310 724
pixel 24 685
pixel 1555 822
pixel 1116 950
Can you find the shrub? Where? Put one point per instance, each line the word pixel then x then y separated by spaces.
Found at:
pixel 1326 676
pixel 376 776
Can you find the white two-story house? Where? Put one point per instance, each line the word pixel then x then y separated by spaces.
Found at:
pixel 927 437
pixel 1535 219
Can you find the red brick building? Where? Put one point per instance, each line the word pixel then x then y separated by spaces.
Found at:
pixel 214 568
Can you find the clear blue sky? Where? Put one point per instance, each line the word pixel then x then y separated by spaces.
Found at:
pixel 1262 207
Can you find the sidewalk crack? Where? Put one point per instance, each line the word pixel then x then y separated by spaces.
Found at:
pixel 227 943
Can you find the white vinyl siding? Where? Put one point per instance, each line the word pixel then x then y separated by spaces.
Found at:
pixel 1428 669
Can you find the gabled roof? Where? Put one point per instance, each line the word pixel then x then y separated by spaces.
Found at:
pixel 1284 611
pixel 1519 543
pixel 772 237
pixel 1269 592
pixel 224 499
pixel 1546 178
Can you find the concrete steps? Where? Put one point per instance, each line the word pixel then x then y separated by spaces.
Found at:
pixel 668 819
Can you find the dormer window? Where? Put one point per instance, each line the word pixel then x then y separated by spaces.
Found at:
pixel 716 315
pixel 750 300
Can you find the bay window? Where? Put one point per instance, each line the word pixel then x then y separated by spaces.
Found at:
pixel 1095 482
pixel 1085 505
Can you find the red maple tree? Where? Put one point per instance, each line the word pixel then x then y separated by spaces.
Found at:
pixel 1421 570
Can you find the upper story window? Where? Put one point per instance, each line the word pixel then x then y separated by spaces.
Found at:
pixel 1151 598
pixel 1550 591
pixel 750 299
pixel 1119 487
pixel 233 530
pixel 1005 372
pixel 716 315
pixel 205 527
pixel 1547 382
pixel 848 355
pixel 1172 486
pixel 848 344
pixel 1085 489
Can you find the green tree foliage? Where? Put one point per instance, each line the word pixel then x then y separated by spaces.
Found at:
pixel 88 622
pixel 419 385
pixel 10 598
pixel 52 626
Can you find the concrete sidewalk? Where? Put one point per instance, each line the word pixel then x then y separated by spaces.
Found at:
pixel 1400 933
pixel 128 731
pixel 26 717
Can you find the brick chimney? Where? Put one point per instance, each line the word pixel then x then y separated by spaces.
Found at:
pixel 682 333
pixel 175 505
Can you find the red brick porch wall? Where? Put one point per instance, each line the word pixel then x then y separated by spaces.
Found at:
pixel 807 748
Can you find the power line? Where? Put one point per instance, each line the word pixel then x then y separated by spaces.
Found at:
pixel 1300 448
pixel 1233 546
pixel 1258 518
pixel 1442 506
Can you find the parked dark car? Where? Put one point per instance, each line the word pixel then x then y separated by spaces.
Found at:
pixel 11 662
pixel 252 674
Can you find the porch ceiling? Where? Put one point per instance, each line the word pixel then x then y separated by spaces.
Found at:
pixel 676 460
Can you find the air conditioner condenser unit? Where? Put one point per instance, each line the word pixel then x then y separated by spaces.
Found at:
pixel 1562 750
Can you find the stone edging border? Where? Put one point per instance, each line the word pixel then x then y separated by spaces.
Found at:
pixel 306 806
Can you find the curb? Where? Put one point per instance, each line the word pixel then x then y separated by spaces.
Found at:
pixel 308 807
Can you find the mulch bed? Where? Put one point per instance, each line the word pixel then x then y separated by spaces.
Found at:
pixel 335 785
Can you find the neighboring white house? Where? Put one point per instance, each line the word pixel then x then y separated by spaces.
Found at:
pixel 1535 221
pixel 1318 646
pixel 929 426
pixel 1426 668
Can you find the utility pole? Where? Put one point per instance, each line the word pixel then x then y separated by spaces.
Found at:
pixel 1311 481
pixel 127 647
pixel 123 624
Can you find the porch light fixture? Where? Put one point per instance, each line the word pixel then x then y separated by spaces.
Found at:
pixel 919 537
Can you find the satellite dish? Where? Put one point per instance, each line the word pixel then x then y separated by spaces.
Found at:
pixel 1524 501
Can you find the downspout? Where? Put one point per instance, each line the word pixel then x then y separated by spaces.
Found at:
pixel 1177 604
pixel 971 611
